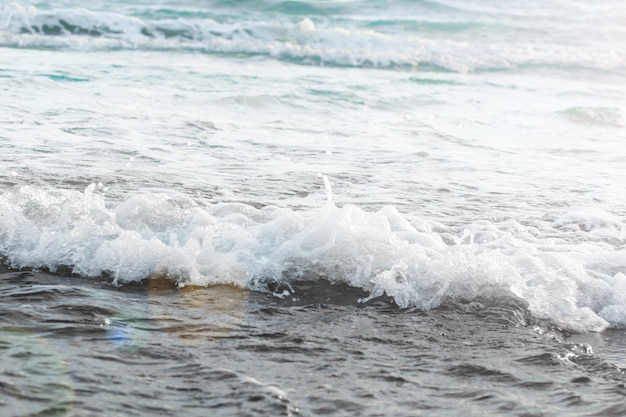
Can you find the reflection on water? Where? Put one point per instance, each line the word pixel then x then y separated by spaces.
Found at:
pixel 35 378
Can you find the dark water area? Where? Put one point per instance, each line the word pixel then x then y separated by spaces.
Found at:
pixel 80 347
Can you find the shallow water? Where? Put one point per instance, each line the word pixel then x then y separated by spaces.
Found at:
pixel 306 208
pixel 73 347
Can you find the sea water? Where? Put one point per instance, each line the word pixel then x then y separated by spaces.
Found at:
pixel 351 207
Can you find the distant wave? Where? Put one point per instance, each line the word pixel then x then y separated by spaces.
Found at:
pixel 596 116
pixel 297 39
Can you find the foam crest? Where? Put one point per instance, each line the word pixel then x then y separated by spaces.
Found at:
pixel 579 286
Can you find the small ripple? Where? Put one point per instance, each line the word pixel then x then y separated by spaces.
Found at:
pixel 470 371
pixel 542 359
pixel 615 410
pixel 536 385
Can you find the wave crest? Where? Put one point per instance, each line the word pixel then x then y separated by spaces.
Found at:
pixel 382 252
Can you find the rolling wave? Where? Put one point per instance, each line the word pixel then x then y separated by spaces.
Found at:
pixel 368 43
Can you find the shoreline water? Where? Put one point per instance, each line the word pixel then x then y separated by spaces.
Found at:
pixel 312 208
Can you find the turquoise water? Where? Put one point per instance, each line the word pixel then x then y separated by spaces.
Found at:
pixel 391 165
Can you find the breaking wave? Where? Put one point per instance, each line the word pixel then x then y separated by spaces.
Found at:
pixel 576 281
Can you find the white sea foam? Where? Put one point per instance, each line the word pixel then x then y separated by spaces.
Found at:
pixel 582 287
